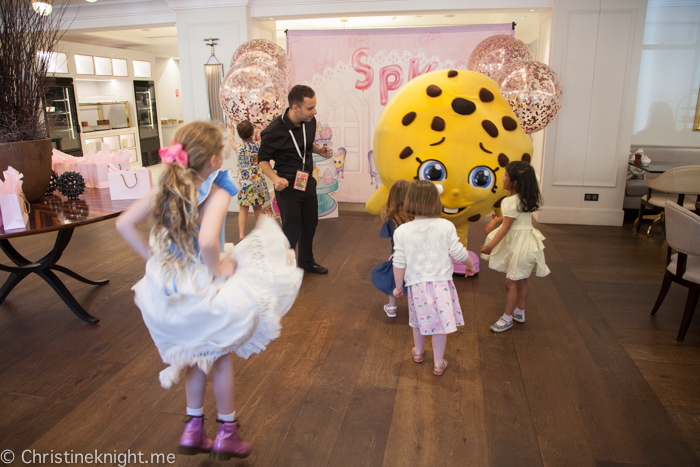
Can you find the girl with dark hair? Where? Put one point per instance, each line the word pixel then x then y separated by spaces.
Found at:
pixel 253 188
pixel 512 244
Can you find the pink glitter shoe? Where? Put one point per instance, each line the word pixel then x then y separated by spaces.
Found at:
pixel 193 440
pixel 228 444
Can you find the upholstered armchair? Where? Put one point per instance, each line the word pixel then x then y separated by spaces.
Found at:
pixel 682 267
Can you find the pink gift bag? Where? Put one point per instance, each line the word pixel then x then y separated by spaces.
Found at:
pixel 15 211
pixel 129 184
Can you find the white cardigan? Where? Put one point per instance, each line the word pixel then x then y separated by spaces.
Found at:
pixel 425 248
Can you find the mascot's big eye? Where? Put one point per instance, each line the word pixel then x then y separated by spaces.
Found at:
pixel 482 177
pixel 432 170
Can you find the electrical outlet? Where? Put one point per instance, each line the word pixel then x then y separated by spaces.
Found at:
pixel 590 197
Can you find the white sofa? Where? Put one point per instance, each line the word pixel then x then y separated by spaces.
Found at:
pixel 636 188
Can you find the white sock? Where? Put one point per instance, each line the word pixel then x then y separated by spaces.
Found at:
pixel 195 412
pixel 519 311
pixel 507 318
pixel 227 418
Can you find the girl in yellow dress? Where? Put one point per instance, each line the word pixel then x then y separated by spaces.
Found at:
pixel 512 244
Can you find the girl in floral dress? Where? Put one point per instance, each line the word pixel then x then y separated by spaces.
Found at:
pixel 423 253
pixel 253 189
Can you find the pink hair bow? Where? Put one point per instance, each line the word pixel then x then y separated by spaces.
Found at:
pixel 174 153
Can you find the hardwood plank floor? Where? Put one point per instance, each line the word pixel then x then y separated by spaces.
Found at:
pixel 590 379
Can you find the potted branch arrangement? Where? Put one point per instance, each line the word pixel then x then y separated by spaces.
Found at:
pixel 26 40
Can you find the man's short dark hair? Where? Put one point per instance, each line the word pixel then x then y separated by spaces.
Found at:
pixel 298 93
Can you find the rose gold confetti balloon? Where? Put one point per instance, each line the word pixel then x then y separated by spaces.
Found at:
pixel 262 52
pixel 253 92
pixel 533 91
pixel 493 53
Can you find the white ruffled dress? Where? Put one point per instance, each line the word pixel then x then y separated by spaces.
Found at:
pixel 194 320
pixel 522 249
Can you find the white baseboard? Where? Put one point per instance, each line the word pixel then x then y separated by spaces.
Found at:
pixel 580 216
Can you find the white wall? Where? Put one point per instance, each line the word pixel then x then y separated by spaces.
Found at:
pixel 596 50
pixel 168 95
pixel 167 76
pixel 669 77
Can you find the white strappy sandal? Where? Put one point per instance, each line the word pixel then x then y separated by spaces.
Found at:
pixel 387 307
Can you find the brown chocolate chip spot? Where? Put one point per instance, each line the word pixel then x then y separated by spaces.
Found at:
pixel 408 118
pixel 509 123
pixel 474 218
pixel 452 73
pixel 463 106
pixel 485 95
pixel 433 91
pixel 497 204
pixel 438 124
pixel 490 128
pixel 526 158
pixel 503 160
pixel 407 151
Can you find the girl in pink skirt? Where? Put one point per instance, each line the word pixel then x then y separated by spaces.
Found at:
pixel 424 249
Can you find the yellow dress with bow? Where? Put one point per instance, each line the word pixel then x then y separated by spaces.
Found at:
pixel 521 251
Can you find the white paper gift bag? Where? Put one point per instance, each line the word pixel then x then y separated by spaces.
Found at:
pixel 13 205
pixel 84 170
pixel 129 184
pixel 98 175
pixel 15 211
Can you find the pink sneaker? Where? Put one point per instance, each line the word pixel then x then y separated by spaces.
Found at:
pixel 193 440
pixel 228 444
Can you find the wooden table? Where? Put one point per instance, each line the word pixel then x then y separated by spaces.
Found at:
pixel 58 214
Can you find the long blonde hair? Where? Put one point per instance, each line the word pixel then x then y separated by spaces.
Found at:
pixel 174 210
pixel 394 209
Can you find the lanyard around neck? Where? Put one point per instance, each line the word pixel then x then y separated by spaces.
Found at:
pixel 303 158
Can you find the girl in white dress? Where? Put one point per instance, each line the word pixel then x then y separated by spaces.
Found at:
pixel 202 301
pixel 512 244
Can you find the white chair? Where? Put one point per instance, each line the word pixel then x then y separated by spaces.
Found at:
pixel 683 267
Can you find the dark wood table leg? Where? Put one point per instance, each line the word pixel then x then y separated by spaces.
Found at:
pixel 43 268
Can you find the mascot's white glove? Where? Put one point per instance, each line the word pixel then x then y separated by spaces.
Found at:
pixel 439 188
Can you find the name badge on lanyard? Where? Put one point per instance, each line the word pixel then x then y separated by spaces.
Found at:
pixel 302 177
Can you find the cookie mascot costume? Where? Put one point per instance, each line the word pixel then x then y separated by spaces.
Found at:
pixel 455 129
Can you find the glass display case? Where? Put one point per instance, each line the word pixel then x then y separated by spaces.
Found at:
pixel 147 118
pixel 98 116
pixel 62 116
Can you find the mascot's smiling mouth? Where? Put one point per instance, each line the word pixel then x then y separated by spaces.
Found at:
pixel 439 142
pixel 453 211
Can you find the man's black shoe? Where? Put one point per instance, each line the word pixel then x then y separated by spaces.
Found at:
pixel 315 269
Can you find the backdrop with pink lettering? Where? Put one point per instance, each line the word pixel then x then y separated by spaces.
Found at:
pixel 354 73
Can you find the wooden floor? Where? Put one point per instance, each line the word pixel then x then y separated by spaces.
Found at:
pixel 590 379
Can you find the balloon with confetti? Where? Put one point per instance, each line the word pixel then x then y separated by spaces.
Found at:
pixel 493 53
pixel 533 91
pixel 253 92
pixel 263 52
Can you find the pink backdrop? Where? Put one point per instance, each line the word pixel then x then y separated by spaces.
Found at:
pixel 355 72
